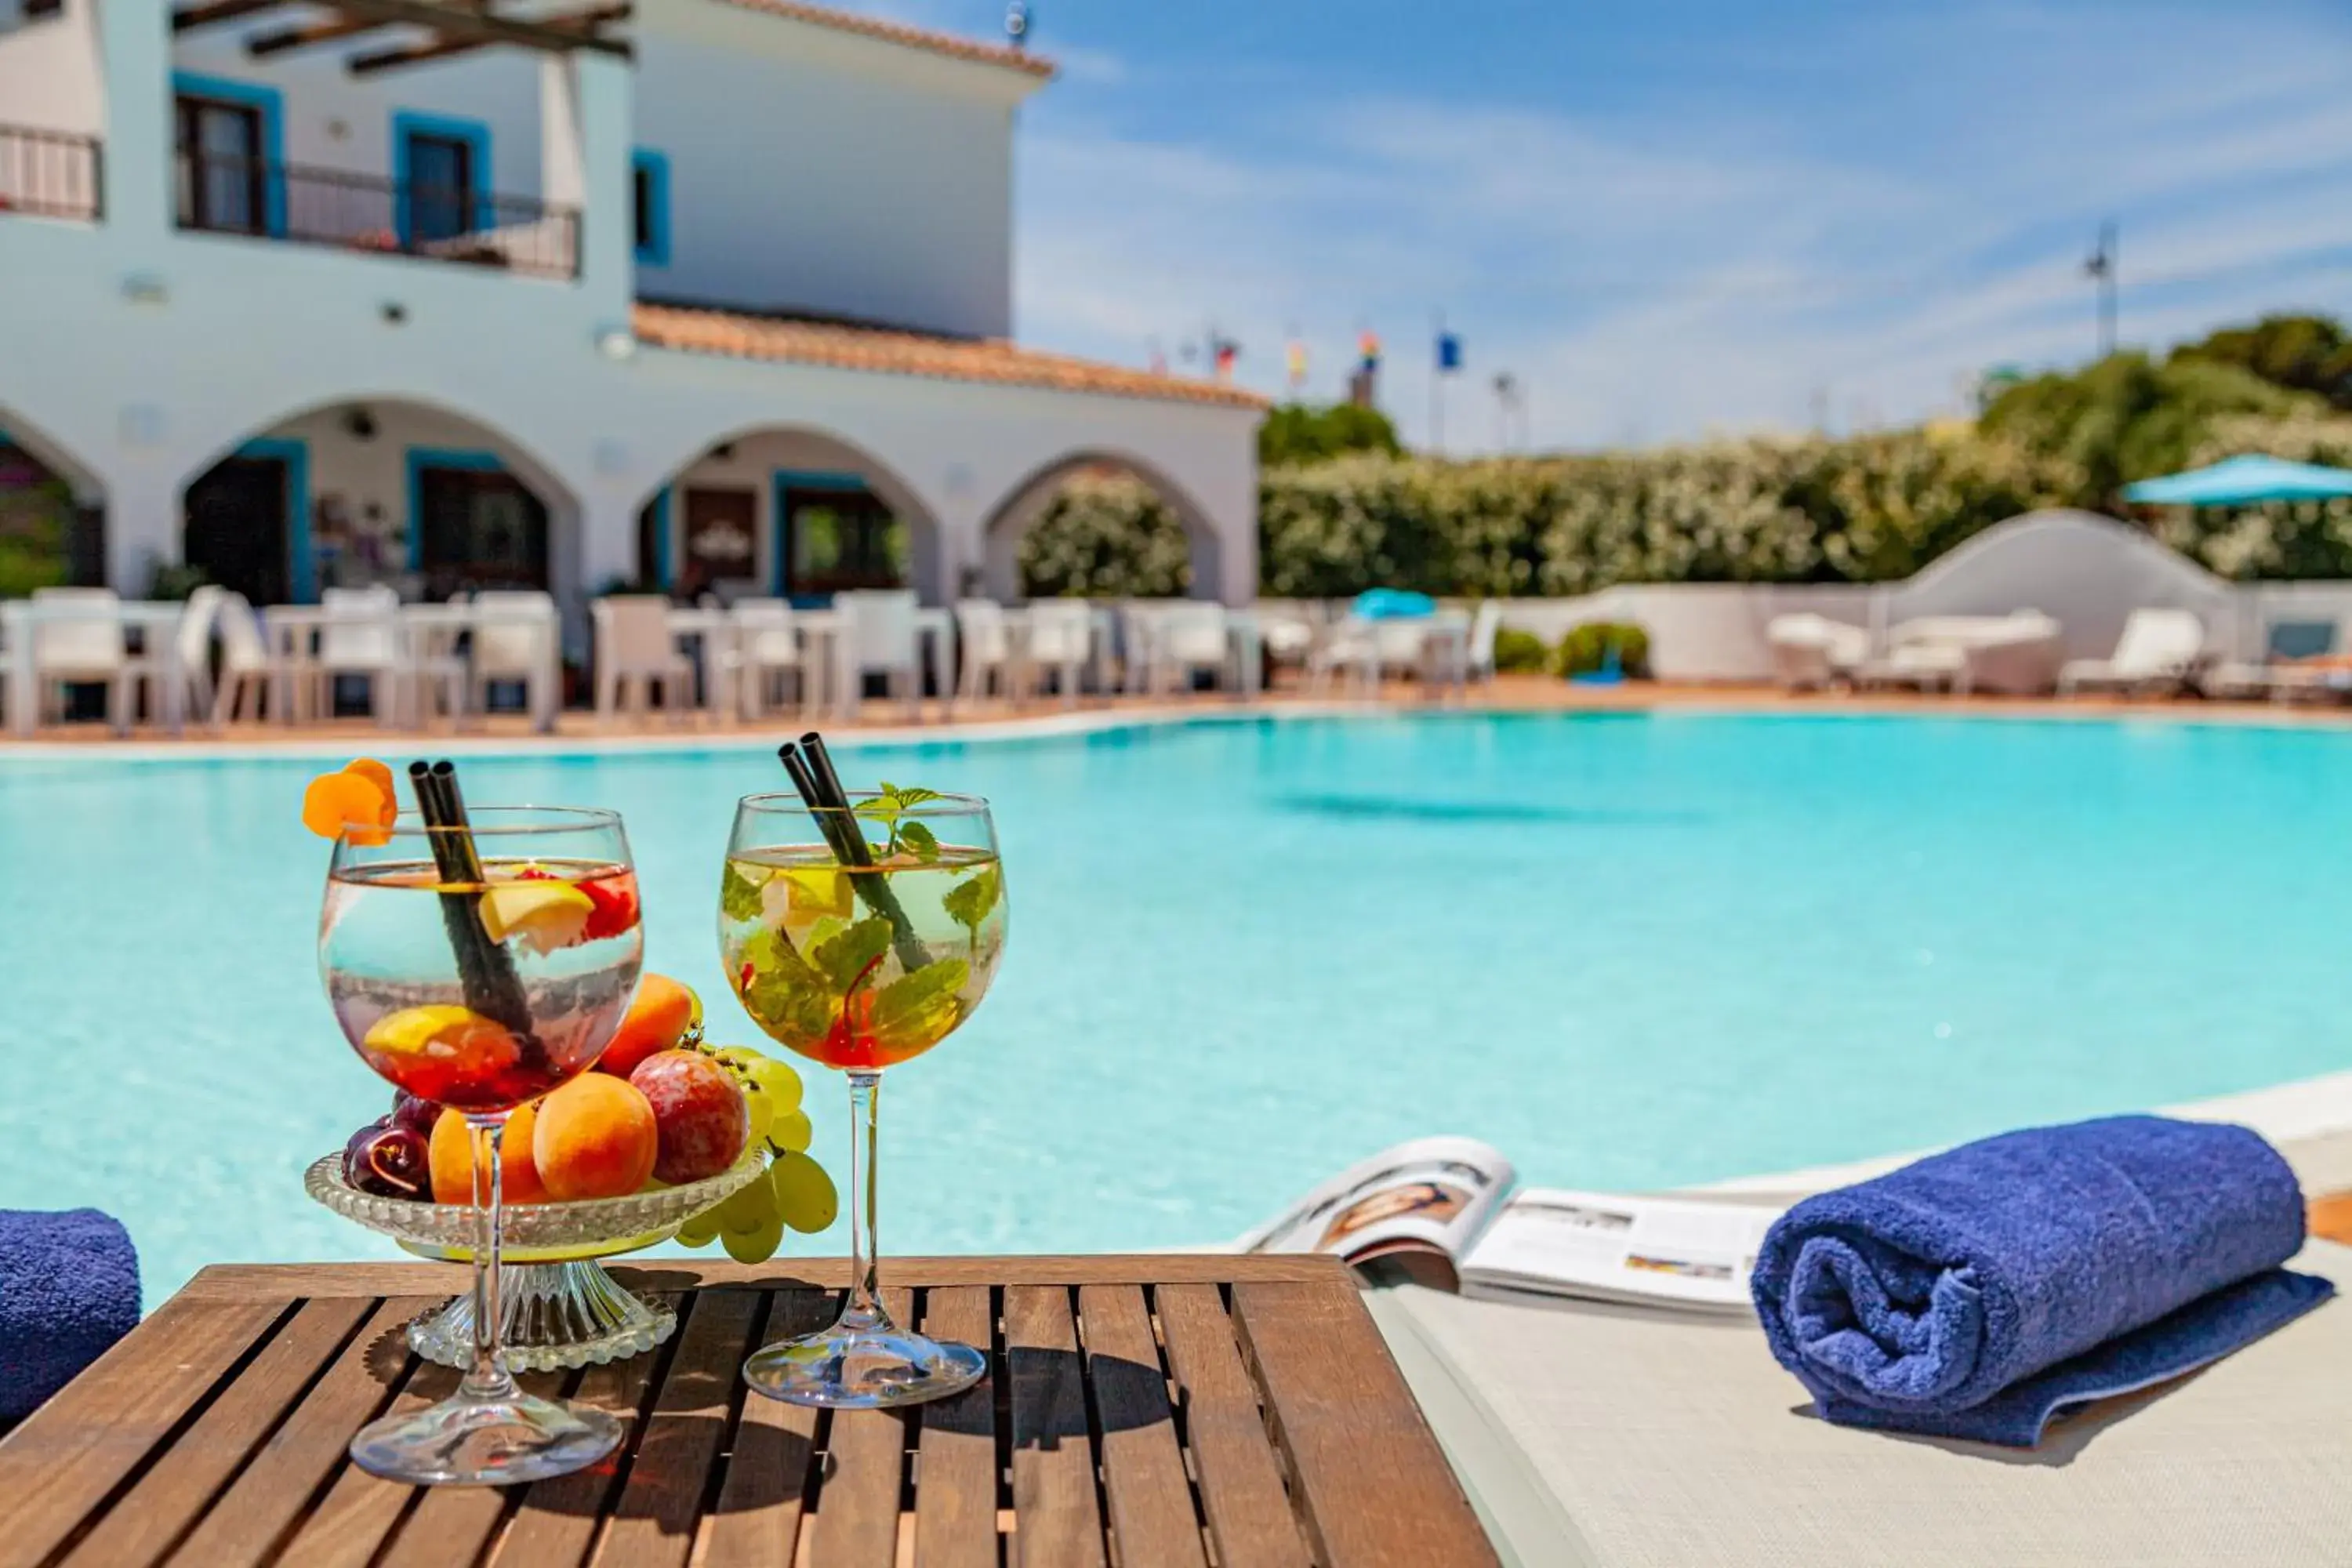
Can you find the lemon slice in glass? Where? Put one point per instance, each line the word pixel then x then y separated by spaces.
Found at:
pixel 545 915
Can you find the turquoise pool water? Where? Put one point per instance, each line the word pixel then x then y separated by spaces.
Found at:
pixel 1631 951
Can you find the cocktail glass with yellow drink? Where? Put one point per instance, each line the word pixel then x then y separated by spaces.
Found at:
pixel 860 930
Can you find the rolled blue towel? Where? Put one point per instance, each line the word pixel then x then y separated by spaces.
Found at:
pixel 69 1289
pixel 1976 1292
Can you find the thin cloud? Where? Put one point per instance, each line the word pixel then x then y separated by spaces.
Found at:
pixel 1668 272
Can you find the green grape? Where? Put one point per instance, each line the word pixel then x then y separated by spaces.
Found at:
pixel 758 1246
pixel 701 1230
pixel 763 1113
pixel 791 1134
pixel 803 1193
pixel 780 1083
pixel 747 1209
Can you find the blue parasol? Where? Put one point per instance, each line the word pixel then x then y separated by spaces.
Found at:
pixel 2243 481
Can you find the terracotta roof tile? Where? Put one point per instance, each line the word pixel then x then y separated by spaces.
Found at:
pixel 900 33
pixel 890 351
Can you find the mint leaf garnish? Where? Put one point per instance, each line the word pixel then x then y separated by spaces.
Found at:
pixel 739 895
pixel 970 902
pixel 914 835
pixel 845 959
pixel 916 1010
pixel 784 993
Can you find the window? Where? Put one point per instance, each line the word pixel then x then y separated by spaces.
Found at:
pixel 223 171
pixel 37 9
pixel 478 528
pixel 838 537
pixel 649 200
pixel 440 186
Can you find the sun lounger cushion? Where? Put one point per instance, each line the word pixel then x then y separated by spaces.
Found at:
pixel 1975 1292
pixel 69 1289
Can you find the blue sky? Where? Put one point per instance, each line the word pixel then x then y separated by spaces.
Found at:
pixel 1675 217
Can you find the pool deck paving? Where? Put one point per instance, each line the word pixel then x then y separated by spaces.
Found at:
pixel 932 720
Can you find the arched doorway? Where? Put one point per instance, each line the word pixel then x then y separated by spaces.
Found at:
pixel 795 514
pixel 378 490
pixel 52 515
pixel 1099 525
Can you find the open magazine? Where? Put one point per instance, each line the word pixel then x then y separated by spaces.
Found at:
pixel 1442 1209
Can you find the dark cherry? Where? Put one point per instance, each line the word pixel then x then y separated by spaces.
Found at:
pixel 388 1160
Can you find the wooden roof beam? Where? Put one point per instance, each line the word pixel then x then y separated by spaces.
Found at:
pixel 188 18
pixel 577 30
pixel 471 27
pixel 263 45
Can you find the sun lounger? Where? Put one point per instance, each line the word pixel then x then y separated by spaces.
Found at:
pixel 2159 649
pixel 1811 652
pixel 2284 673
pixel 1597 1434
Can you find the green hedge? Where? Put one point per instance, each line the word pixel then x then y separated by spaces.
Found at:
pixel 1586 649
pixel 1864 509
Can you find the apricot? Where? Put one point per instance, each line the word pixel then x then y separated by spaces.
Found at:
pixel 377 774
pixel 595 1138
pixel 658 1017
pixel 452 1158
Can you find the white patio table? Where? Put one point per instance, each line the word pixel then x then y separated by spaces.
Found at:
pixel 1244 637
pixel 156 624
pixel 819 636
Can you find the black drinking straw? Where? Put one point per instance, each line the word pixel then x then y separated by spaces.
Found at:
pixel 485 968
pixel 820 787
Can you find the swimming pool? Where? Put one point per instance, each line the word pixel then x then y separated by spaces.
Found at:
pixel 1631 951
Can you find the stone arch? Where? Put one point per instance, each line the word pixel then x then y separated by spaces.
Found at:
pixel 341 490
pixel 767 467
pixel 1009 521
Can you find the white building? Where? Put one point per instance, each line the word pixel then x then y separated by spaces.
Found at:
pixel 558 292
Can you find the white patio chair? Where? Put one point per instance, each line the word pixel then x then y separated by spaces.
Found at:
pixel 634 647
pixel 2158 648
pixel 514 643
pixel 360 636
pixel 1485 624
pixel 193 637
pixel 245 664
pixel 751 663
pixel 2018 655
pixel 987 651
pixel 877 636
pixel 1061 640
pixel 2280 675
pixel 79 640
pixel 1187 638
pixel 1349 650
pixel 1811 653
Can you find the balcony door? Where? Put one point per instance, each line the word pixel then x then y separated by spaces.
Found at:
pixel 440 193
pixel 223 173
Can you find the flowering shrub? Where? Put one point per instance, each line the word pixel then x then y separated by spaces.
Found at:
pixel 1862 509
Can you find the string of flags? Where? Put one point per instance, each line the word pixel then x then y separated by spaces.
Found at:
pixel 1224 354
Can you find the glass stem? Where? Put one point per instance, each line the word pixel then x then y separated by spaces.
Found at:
pixel 489 1378
pixel 863 1309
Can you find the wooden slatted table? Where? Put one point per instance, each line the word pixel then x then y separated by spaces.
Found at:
pixel 1191 1412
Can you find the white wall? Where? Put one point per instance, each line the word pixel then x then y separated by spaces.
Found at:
pixel 810 171
pixel 2089 572
pixel 49 74
pixel 816 172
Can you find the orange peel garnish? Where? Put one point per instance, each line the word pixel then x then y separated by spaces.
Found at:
pixel 378 774
pixel 336 804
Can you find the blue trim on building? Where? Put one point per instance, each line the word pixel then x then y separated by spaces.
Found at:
pixel 420 459
pixel 652 249
pixel 781 526
pixel 665 568
pixel 271 106
pixel 301 561
pixel 473 133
